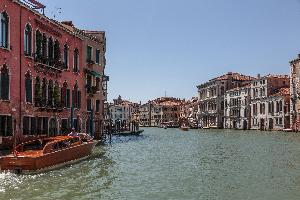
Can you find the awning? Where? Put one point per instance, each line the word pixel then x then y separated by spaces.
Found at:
pixel 93 73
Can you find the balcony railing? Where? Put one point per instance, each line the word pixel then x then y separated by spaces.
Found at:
pixel 92 89
pixel 48 66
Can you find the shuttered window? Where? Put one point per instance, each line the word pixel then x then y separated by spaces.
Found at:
pixel 79 100
pixel 28 89
pixel 68 98
pixel 4 85
pixel 6 126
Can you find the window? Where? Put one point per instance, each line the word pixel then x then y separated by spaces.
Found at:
pixel 68 98
pixel 52 127
pixel 28 87
pixel 4 30
pixel 44 49
pixel 89 52
pixel 50 93
pixel 37 92
pixel 75 96
pixel 6 125
pixel 57 53
pixel 97 105
pixel 66 56
pixel 4 83
pixel 64 94
pixel 44 93
pixel 89 105
pixel 98 56
pixel 64 126
pixel 76 60
pixel 29 125
pixel 38 47
pixel 50 51
pixel 27 40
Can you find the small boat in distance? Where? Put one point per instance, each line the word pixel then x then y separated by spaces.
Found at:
pixel 184 128
pixel 48 153
pixel 130 133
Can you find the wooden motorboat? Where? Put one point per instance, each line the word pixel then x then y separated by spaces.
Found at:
pixel 48 153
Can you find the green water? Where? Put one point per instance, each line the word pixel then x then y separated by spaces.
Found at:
pixel 171 164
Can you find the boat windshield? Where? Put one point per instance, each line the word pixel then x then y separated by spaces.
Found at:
pixel 35 145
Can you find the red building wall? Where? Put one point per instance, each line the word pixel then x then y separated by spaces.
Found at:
pixel 18 64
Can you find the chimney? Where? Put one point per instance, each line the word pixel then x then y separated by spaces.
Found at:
pixel 258 76
pixel 68 23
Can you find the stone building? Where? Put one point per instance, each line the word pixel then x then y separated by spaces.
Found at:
pixel 144 115
pixel 295 93
pixel 122 111
pixel 189 112
pixel 166 110
pixel 160 110
pixel 269 102
pixel 211 98
pixel 237 108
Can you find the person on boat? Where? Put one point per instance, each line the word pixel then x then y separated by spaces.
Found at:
pixel 73 133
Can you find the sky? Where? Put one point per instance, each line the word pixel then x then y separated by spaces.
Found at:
pixel 158 46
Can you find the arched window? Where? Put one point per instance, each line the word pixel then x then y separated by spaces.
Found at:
pixel 76 61
pixel 37 92
pixel 76 97
pixel 57 55
pixel 4 30
pixel 56 95
pixel 44 92
pixel 50 93
pixel 44 49
pixel 38 45
pixel 64 94
pixel 66 56
pixel 50 51
pixel 28 87
pixel 52 127
pixel 4 83
pixel 27 40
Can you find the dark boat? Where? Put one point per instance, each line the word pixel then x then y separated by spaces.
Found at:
pixel 131 133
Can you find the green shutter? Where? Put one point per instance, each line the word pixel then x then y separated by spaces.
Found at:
pixel 68 98
pixel 9 131
pixel 79 100
pixel 5 86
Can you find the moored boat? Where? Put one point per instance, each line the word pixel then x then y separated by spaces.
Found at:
pixel 48 153
pixel 130 133
pixel 184 128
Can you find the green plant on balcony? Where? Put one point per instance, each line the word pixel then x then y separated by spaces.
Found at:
pixel 90 61
pixel 38 95
pixel 56 96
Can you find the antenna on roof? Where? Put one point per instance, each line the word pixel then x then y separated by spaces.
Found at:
pixel 36 5
pixel 165 93
pixel 56 12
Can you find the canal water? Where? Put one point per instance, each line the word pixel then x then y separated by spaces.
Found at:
pixel 172 164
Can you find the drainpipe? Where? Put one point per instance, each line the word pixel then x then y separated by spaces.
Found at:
pixel 20 109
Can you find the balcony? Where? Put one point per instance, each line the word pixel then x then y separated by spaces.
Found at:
pixel 48 66
pixel 92 89
pixel 90 62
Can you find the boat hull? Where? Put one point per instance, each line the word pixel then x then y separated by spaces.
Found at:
pixel 47 161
